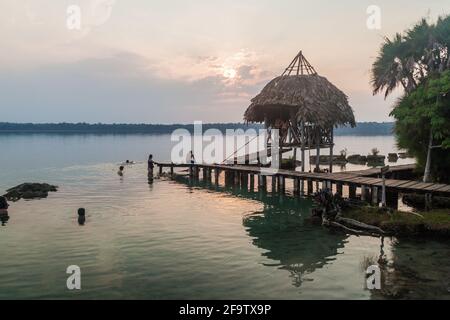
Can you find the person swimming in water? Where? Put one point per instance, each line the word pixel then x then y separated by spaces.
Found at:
pixel 81 216
pixel 120 172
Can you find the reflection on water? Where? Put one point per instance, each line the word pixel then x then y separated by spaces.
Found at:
pixel 153 238
pixel 411 269
pixel 4 217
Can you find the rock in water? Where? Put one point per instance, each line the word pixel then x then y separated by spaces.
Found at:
pixel 29 191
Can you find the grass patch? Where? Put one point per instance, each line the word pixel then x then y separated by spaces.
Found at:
pixel 434 223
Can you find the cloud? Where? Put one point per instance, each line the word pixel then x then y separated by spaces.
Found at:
pixel 123 87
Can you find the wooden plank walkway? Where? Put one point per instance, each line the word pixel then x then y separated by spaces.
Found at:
pixel 352 178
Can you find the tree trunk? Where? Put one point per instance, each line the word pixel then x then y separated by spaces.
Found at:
pixel 426 175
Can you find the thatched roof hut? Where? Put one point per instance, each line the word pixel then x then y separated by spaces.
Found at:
pixel 304 96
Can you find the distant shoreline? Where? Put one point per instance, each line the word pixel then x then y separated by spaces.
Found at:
pixel 361 129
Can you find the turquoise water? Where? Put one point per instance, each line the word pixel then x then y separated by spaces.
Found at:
pixel 178 240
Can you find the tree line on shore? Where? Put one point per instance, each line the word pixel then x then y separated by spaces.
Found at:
pixel 362 128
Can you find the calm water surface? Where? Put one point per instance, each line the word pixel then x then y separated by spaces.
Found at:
pixel 175 239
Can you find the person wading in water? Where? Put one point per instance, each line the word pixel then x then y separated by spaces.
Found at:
pixel 151 165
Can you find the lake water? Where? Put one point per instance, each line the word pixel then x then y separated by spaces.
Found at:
pixel 178 240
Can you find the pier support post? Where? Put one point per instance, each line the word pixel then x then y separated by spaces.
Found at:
pixel 282 183
pixel 244 180
pixel 171 170
pixel 262 182
pixel 339 188
pixel 216 176
pixel 375 195
pixel 428 201
pixel 237 177
pixel 392 199
pixel 160 170
pixel 296 185
pixel 309 186
pixel 352 191
pixel 363 193
pixel 252 182
pixel 274 182
pixel 209 174
pixel 302 186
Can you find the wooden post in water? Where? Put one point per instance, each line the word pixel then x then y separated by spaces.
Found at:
pixel 274 182
pixel 392 199
pixel 375 195
pixel 428 202
pixel 244 180
pixel 252 182
pixel 352 191
pixel 282 183
pixel 227 177
pixel 363 193
pixel 216 176
pixel 209 174
pixel 260 182
pixel 302 186
pixel 339 188
pixel 160 170
pixel 296 185
pixel 237 177
pixel 309 186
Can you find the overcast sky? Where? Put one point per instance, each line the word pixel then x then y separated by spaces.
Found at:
pixel 176 61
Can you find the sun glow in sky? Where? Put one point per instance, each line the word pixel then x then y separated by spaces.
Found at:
pixel 229 73
pixel 178 61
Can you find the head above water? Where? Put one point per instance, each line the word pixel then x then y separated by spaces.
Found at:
pixel 81 211
pixel 121 168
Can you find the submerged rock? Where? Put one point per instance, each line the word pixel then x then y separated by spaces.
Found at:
pixel 29 191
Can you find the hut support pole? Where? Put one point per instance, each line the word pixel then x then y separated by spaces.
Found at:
pixel 302 137
pixel 331 151
pixel 317 150
pixel 294 158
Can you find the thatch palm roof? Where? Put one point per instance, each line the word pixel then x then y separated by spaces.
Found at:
pixel 303 96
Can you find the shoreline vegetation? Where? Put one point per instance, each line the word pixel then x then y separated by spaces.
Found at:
pixel 361 129
pixel 431 224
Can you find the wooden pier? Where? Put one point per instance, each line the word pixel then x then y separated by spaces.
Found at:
pixel 369 182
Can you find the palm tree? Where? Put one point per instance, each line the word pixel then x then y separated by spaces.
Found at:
pixel 409 59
